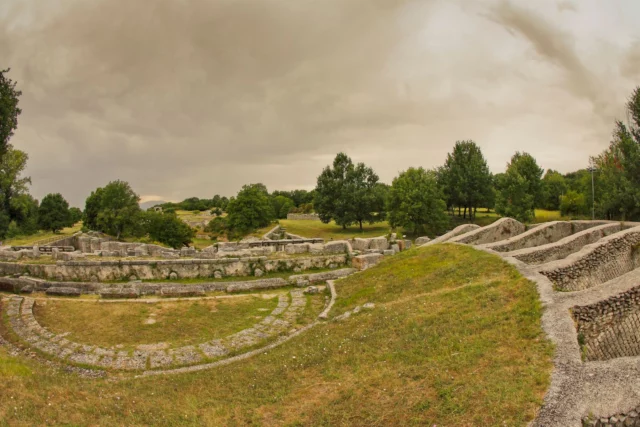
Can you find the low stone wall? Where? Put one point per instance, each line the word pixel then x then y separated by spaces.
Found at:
pixel 303 217
pixel 543 234
pixel 102 271
pixel 565 247
pixel 610 328
pixel 610 257
pixel 458 231
pixel 624 419
pixel 502 229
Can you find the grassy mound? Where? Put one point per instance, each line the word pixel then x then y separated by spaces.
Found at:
pixel 454 339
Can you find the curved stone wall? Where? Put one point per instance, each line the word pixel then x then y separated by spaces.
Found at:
pixel 610 328
pixel 24 324
pixel 597 263
pixel 162 269
pixel 564 247
pixel 502 229
pixel 458 231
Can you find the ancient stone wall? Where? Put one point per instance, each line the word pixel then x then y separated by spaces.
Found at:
pixel 564 247
pixel 458 231
pixel 163 269
pixel 502 229
pixel 597 263
pixel 543 234
pixel 610 328
pixel 303 217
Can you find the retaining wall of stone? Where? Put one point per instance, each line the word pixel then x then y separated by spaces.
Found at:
pixel 543 234
pixel 610 257
pixel 303 217
pixel 458 231
pixel 159 270
pixel 564 247
pixel 610 328
pixel 624 419
pixel 502 229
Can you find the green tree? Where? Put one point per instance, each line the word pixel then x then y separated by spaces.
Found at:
pixel 92 209
pixel 618 182
pixel 24 214
pixel 12 183
pixel 572 203
pixel 53 213
pixel 553 187
pixel 347 193
pixel 75 215
pixel 416 203
pixel 250 209
pixel 168 229
pixel 281 206
pixel 119 212
pixel 466 178
pixel 9 110
pixel 519 188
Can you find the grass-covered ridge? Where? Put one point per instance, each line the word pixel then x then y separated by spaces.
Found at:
pixel 454 339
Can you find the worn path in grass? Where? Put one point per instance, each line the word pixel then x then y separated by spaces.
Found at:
pixel 464 346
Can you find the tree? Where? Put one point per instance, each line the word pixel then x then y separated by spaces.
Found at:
pixel 75 215
pixel 53 213
pixel 619 168
pixel 416 203
pixel 250 209
pixel 466 178
pixel 9 111
pixel 347 193
pixel 92 209
pixel 519 188
pixel 168 229
pixel 572 203
pixel 118 210
pixel 553 187
pixel 281 206
pixel 24 214
pixel 12 183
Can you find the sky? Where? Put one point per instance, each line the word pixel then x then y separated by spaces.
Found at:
pixel 186 98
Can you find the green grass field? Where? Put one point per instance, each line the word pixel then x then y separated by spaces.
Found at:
pixel 454 339
pixel 42 236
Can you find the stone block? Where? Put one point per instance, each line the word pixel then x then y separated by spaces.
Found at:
pixel 359 244
pixel 181 291
pixel 63 291
pixel 422 240
pixel 362 262
pixel 379 243
pixel 338 247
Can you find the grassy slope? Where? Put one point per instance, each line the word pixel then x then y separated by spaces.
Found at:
pixel 41 235
pixel 455 339
pixel 333 231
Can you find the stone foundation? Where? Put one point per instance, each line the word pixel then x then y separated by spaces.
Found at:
pixel 162 269
pixel 597 263
pixel 610 328
pixel 564 247
pixel 502 229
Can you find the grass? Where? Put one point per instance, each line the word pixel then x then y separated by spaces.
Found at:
pixel 177 323
pixel 42 235
pixel 454 339
pixel 332 231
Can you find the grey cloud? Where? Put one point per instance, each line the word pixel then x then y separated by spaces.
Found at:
pixel 187 98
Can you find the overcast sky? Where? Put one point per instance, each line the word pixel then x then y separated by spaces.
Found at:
pixel 193 98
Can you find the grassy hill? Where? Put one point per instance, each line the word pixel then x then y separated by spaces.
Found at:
pixel 454 339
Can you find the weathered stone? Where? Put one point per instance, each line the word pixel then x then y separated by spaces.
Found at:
pixel 422 240
pixel 69 292
pixel 173 275
pixel 182 291
pixel 362 262
pixel 311 290
pixel 389 252
pixel 258 273
pixel 379 243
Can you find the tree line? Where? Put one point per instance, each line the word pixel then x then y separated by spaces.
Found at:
pixel 418 200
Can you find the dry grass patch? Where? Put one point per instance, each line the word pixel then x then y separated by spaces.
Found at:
pixel 130 324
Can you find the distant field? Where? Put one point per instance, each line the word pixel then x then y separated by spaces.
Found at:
pixel 333 231
pixel 42 235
